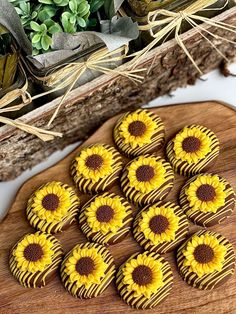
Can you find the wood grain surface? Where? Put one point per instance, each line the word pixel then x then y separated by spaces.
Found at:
pixel 183 299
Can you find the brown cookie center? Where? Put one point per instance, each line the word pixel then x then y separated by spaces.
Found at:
pixel 191 144
pixel 206 193
pixel 145 173
pixel 142 275
pixel 51 202
pixel 158 224
pixel 104 213
pixel 33 252
pixel 203 254
pixel 85 266
pixel 94 162
pixel 137 128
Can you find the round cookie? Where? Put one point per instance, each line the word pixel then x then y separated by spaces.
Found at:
pixel 144 280
pixel 206 260
pixel 87 270
pixel 138 133
pixel 106 218
pixel 34 259
pixel 160 227
pixel 147 179
pixel 96 168
pixel 52 207
pixel 207 199
pixel 193 150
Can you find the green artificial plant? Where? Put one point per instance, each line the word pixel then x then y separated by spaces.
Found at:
pixel 43 18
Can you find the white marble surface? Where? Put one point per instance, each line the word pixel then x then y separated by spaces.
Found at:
pixel 213 87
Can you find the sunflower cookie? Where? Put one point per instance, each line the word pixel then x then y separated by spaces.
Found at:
pixel 193 150
pixel 207 199
pixel 144 280
pixel 87 270
pixel 97 168
pixel 206 260
pixel 160 227
pixel 34 259
pixel 147 179
pixel 106 218
pixel 139 132
pixel 52 207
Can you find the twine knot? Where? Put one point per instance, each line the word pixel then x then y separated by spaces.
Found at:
pixel 182 15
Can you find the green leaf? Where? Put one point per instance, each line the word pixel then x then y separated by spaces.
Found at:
pixel 37 45
pixel 66 15
pixel 112 6
pixel 81 22
pixel 83 8
pixel 72 19
pixel 46 1
pixel 95 5
pixel 35 52
pixel 36 38
pixel 35 26
pixel 43 27
pixel 67 26
pixel 56 28
pixel 24 7
pixel 19 11
pixel 46 42
pixel 49 23
pixel 61 3
pixel 34 14
pixel 73 6
pixel 46 13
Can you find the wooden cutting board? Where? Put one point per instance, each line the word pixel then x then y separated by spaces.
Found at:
pixel 183 299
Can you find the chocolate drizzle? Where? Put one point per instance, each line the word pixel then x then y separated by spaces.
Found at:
pixel 142 275
pixel 206 193
pixel 33 252
pixel 158 224
pixel 145 173
pixel 50 202
pixel 104 213
pixel 191 144
pixel 203 254
pixel 85 266
pixel 137 128
pixel 94 162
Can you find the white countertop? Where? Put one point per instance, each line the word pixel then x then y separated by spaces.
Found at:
pixel 213 87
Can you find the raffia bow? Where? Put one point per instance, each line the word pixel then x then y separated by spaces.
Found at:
pixel 72 72
pixel 172 21
pixel 66 77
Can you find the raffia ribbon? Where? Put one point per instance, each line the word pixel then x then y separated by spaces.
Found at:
pixel 22 93
pixel 12 96
pixel 73 71
pixel 66 76
pixel 44 135
pixel 172 21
